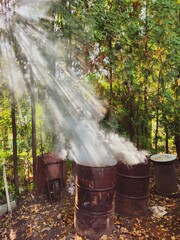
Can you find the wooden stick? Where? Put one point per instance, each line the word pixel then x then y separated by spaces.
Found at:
pixel 6 189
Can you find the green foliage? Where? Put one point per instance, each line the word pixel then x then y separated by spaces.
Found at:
pixel 2 193
pixel 138 42
pixel 11 188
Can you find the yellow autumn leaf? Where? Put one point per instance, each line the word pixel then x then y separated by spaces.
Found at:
pixel 124 230
pixel 76 237
pixel 103 237
pixel 63 238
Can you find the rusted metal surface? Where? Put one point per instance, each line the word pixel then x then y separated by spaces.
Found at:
pixel 49 167
pixel 165 177
pixel 94 201
pixel 41 179
pixel 132 189
pixel 53 170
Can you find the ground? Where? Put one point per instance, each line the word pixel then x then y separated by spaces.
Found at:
pixel 36 218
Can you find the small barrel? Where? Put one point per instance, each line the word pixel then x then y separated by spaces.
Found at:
pixel 132 189
pixel 94 200
pixel 165 174
pixel 49 166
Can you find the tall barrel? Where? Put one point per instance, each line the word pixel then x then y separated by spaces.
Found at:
pixel 165 174
pixel 94 200
pixel 132 189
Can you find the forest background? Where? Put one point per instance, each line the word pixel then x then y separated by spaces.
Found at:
pixel 129 51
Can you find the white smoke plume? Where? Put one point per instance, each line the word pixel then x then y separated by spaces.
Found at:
pixel 70 100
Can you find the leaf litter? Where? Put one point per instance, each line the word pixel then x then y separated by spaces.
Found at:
pixel 37 218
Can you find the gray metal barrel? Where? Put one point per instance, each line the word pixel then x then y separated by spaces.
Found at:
pixel 132 189
pixel 94 201
pixel 165 174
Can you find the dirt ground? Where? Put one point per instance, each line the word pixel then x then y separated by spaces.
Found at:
pixel 37 218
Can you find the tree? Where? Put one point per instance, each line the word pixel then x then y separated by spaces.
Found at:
pixel 14 132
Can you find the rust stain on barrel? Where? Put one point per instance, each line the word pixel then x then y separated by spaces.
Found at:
pixel 94 201
pixel 49 166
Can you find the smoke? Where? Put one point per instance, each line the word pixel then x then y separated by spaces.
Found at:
pixel 125 151
pixel 70 102
pixel 9 67
pixel 33 10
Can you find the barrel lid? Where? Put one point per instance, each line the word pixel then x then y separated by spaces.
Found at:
pixel 163 157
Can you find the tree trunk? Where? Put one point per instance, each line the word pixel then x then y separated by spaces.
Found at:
pixel 69 50
pixel 137 129
pixel 110 72
pixel 167 140
pixel 177 143
pixel 157 112
pixel 146 124
pixel 157 129
pixel 177 122
pixel 33 112
pixel 14 132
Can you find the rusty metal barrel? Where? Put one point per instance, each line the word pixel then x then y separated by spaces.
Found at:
pixel 165 174
pixel 94 200
pixel 49 166
pixel 132 189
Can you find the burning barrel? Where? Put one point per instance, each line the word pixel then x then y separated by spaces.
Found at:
pixel 94 201
pixel 165 174
pixel 132 189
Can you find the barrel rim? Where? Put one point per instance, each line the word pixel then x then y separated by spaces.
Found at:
pixel 95 213
pixel 170 157
pixel 133 197
pixel 134 176
pixel 111 188
pixel 96 167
